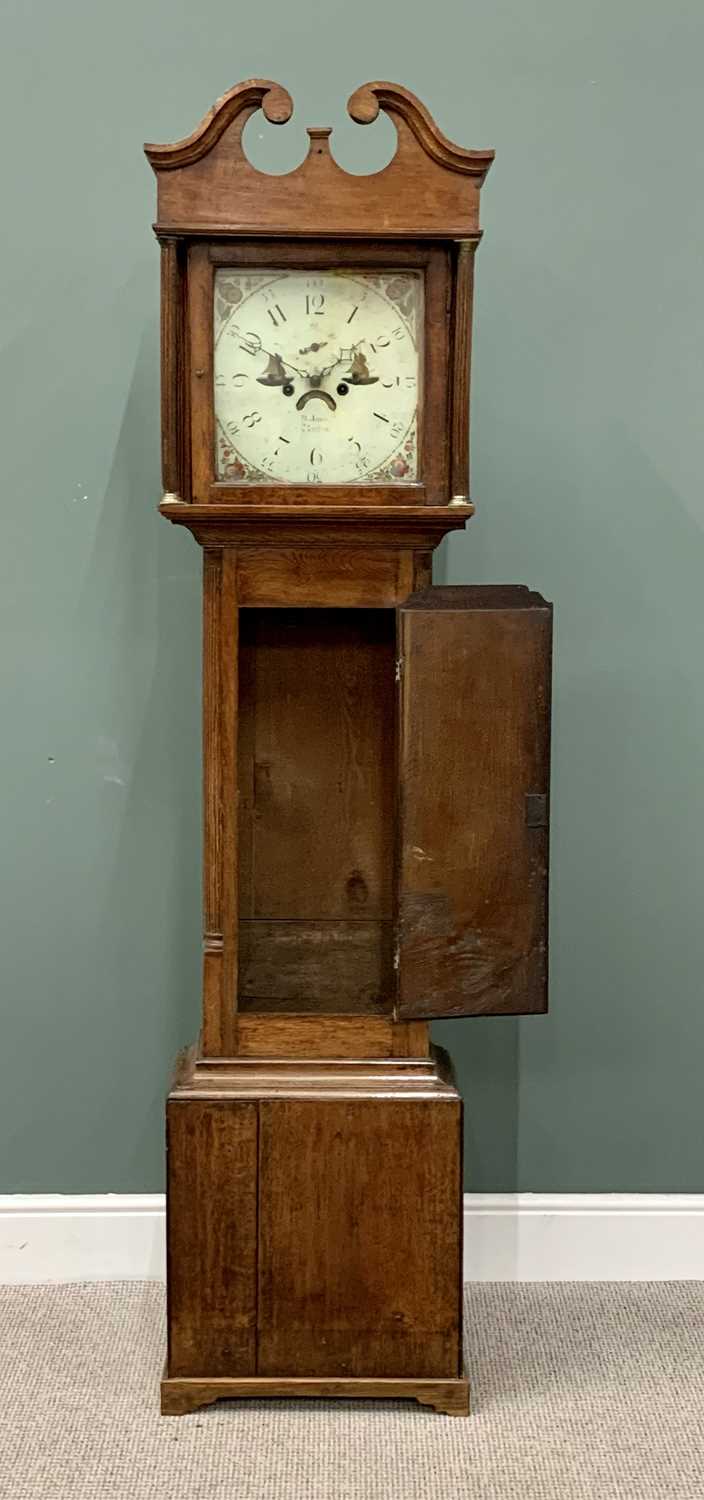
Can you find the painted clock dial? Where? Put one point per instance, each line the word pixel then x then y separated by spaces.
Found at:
pixel 317 376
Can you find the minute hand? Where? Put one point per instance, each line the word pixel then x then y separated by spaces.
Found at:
pixel 248 349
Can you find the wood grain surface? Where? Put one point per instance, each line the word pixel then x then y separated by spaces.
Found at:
pixel 174 420
pixel 460 373
pixel 474 767
pixel 316 786
pixel 359 1264
pixel 318 577
pixel 285 523
pixel 178 1397
pixel 211 1236
pixel 207 185
pixel 326 1036
pixel 330 966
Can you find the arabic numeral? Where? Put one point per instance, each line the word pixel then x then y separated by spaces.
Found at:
pixel 232 428
pixel 251 418
pixel 315 303
pixel 316 458
pixel 249 342
pixel 397 428
pixel 313 477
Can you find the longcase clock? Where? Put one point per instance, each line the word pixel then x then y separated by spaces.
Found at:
pixel 375 758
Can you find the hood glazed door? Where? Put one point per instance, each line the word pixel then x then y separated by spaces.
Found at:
pixel 474 726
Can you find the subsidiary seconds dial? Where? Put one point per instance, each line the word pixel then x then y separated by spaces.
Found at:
pixel 317 376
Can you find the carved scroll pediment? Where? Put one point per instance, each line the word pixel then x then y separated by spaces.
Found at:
pixel 206 183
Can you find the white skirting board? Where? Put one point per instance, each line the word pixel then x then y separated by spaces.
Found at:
pixel 508 1237
pixel 584 1236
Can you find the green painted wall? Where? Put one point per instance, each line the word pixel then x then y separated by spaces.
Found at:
pixel 586 467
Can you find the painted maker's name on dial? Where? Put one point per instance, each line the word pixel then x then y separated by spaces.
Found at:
pixel 316 376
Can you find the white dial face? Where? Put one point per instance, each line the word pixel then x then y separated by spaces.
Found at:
pixel 317 376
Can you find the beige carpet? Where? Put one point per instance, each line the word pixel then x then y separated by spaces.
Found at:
pixel 579 1390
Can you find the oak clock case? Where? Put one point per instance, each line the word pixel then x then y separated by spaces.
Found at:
pixel 375 759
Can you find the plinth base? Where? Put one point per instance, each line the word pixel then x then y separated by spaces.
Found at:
pixel 314 1231
pixel 181 1395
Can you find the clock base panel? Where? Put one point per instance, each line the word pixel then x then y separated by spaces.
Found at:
pixel 314 1230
